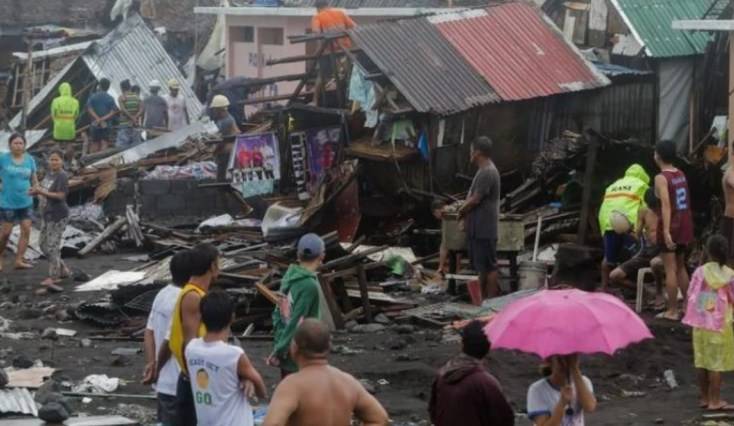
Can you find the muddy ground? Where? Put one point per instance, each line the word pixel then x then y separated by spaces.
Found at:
pixel 408 371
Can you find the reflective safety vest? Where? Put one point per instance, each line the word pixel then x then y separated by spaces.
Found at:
pixel 626 196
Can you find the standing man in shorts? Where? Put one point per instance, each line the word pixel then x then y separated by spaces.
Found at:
pixel 101 108
pixel 622 202
pixel 482 211
pixel 675 225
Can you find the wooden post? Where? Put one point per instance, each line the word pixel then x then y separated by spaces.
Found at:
pixel 588 178
pixel 364 292
pixel 336 313
pixel 27 85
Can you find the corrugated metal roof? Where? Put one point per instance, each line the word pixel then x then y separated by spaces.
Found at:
pixel 612 70
pixel 427 70
pixel 518 51
pixel 355 4
pixel 132 51
pixel 651 21
pixel 17 401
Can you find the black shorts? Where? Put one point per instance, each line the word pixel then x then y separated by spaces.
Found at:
pixel 167 405
pixel 639 261
pixel 726 229
pixel 185 408
pixel 483 254
pixel 99 134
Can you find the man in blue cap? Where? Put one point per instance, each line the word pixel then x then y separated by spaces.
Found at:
pixel 299 300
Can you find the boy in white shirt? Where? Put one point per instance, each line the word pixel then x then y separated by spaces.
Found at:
pixel 217 369
pixel 159 322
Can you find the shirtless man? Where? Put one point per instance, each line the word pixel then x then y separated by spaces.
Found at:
pixel 319 394
pixel 649 254
pixel 727 222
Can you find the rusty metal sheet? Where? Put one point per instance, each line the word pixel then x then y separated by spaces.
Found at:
pixel 518 51
pixel 423 66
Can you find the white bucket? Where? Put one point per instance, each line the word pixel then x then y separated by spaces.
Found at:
pixel 532 275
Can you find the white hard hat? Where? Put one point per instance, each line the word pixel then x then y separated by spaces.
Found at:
pixel 219 101
pixel 620 222
pixel 154 83
pixel 173 84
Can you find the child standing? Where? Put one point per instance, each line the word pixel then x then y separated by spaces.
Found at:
pixel 709 312
pixel 217 369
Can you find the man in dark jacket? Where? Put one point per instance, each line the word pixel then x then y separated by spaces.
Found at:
pixel 464 393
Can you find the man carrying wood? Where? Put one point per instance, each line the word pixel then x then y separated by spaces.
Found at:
pixel 299 300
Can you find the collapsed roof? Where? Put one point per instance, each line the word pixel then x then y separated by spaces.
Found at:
pixel 130 51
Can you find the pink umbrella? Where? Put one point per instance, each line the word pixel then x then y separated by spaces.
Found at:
pixel 564 322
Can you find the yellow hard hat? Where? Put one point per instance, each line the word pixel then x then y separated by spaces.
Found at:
pixel 173 84
pixel 219 101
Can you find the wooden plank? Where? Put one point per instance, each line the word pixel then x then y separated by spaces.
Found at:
pixel 336 313
pixel 107 233
pixel 378 297
pixel 31 378
pixel 267 293
pixel 364 293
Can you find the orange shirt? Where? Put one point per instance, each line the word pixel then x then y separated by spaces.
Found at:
pixel 332 19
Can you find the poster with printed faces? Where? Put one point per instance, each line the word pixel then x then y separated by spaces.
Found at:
pixel 322 146
pixel 254 165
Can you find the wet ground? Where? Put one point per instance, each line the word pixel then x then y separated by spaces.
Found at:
pixel 400 367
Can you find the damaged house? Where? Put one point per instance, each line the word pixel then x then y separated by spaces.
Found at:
pixel 131 51
pixel 640 34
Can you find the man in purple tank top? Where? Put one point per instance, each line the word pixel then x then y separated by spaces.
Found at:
pixel 675 225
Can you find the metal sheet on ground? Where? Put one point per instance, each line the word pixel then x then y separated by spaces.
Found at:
pixel 75 421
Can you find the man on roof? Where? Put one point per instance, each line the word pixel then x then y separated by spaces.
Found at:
pixel 618 218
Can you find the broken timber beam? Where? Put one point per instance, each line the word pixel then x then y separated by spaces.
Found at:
pixel 364 292
pixel 268 99
pixel 336 313
pixel 107 233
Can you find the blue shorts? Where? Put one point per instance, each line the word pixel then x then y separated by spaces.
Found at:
pixel 15 215
pixel 618 247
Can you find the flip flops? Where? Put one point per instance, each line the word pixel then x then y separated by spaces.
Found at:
pixel 664 315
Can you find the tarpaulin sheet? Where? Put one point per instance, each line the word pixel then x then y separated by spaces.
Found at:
pixel 676 81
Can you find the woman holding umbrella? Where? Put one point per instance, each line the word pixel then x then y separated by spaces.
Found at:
pixel 557 325
pixel 564 397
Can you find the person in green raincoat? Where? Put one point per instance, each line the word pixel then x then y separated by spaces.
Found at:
pixel 618 217
pixel 300 299
pixel 64 113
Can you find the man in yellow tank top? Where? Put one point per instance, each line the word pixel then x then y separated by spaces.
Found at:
pixel 186 324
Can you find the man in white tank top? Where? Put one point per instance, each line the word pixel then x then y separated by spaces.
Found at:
pixel 217 369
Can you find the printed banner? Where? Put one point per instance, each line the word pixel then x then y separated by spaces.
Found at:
pixel 254 165
pixel 322 146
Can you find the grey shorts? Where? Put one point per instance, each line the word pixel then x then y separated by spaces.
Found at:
pixel 483 254
pixel 166 409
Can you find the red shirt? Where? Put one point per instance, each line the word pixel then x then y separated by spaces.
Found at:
pixel 681 218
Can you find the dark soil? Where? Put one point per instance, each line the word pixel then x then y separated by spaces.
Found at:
pixel 408 372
